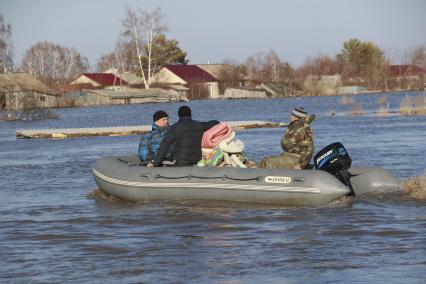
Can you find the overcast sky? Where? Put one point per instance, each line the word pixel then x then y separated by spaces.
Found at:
pixel 215 30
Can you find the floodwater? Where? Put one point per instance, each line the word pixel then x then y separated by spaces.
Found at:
pixel 55 227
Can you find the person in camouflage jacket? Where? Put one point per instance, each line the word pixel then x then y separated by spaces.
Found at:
pixel 150 142
pixel 297 143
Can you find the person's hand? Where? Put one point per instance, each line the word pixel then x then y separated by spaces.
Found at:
pixel 150 165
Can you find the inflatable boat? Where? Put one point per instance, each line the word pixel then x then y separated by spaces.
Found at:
pixel 127 178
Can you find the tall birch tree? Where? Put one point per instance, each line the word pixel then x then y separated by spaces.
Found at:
pixel 272 67
pixel 142 28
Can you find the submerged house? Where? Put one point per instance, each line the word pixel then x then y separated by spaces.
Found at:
pixel 20 91
pixel 217 71
pixel 317 85
pixel 351 90
pixel 200 83
pixel 213 69
pixel 97 81
pixel 278 90
pixel 128 96
pixel 245 93
pixel 262 91
pixel 129 77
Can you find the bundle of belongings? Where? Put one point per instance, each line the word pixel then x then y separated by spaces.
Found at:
pixel 220 149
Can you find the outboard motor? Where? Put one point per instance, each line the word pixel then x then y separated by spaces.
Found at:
pixel 335 160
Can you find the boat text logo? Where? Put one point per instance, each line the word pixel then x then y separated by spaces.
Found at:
pixel 275 179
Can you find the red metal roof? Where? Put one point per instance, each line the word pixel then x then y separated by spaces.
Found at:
pixel 191 73
pixel 406 70
pixel 105 79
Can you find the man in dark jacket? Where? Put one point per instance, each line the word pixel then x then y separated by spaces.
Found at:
pixel 186 136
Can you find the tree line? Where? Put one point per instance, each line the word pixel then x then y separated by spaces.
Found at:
pixel 143 48
pixel 359 63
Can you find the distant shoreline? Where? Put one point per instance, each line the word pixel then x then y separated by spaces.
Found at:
pixel 363 93
pixel 323 95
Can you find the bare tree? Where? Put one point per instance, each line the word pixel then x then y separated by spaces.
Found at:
pixel 230 75
pixel 272 67
pixel 318 65
pixel 143 27
pixel 276 71
pixel 413 77
pixel 416 56
pixel 122 58
pixel 267 68
pixel 6 48
pixel 53 63
pixel 253 67
pixel 107 61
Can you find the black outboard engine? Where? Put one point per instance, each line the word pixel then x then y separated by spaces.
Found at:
pixel 335 160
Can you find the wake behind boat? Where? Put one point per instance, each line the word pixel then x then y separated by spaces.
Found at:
pixel 126 178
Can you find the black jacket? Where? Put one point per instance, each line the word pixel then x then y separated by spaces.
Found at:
pixel 186 136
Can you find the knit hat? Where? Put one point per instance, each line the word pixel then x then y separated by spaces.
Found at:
pixel 159 115
pixel 184 111
pixel 299 112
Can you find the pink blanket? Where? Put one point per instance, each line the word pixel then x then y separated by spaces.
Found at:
pixel 214 135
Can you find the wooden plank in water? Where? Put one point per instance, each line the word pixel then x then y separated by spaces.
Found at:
pixel 61 133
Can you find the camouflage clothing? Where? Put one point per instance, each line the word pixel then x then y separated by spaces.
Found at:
pixel 150 142
pixel 297 144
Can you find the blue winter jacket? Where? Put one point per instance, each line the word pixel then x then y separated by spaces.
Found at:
pixel 150 142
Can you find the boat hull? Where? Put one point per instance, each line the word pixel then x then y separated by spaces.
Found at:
pixel 125 178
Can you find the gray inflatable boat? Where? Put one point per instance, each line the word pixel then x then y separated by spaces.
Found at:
pixel 126 178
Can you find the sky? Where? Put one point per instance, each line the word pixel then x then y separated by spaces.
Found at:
pixel 217 30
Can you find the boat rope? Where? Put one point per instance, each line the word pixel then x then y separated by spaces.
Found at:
pixel 202 177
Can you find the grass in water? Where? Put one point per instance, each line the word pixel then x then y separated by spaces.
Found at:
pixel 420 105
pixel 415 187
pixel 383 102
pixel 410 106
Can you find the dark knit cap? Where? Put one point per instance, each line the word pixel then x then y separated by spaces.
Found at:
pixel 159 115
pixel 184 111
pixel 299 112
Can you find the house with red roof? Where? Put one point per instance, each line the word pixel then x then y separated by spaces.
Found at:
pixel 111 88
pixel 201 84
pixel 407 77
pixel 407 71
